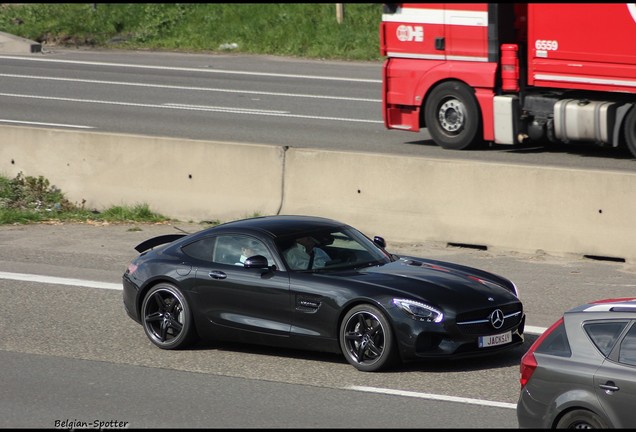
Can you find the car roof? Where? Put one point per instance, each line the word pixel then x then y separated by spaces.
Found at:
pixel 280 225
pixel 607 305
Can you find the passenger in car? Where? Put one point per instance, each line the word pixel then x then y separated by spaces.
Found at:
pixel 247 250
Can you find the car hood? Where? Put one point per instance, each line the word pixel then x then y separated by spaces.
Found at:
pixel 438 282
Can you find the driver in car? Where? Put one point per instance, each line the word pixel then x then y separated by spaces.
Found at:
pixel 304 255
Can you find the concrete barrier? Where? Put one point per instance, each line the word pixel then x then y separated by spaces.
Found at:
pixel 11 44
pixel 511 207
pixel 180 178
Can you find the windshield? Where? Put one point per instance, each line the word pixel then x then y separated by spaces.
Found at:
pixel 341 249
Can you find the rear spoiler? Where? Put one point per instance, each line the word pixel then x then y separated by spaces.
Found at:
pixel 156 241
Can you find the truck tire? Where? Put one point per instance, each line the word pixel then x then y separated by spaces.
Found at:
pixel 452 116
pixel 630 130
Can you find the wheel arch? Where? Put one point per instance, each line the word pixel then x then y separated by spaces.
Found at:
pixel 362 301
pixel 484 98
pixel 473 74
pixel 575 400
pixel 568 410
pixel 143 291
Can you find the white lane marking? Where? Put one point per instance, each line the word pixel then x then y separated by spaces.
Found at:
pixel 213 108
pixel 534 330
pixel 193 108
pixel 46 124
pixel 59 281
pixel 184 69
pixel 432 396
pixel 208 89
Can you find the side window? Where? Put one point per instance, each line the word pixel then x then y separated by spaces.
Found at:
pixel 627 353
pixel 235 249
pixel 556 343
pixel 227 250
pixel 604 334
pixel 200 249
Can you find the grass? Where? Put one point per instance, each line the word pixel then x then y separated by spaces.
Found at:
pixel 26 199
pixel 307 30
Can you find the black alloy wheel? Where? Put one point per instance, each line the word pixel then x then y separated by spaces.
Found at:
pixel 167 318
pixel 366 339
pixel 452 116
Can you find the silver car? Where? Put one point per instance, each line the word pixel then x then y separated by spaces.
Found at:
pixel 581 372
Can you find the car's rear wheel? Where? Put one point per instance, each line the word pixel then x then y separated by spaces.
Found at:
pixel 167 317
pixel 581 419
pixel 366 339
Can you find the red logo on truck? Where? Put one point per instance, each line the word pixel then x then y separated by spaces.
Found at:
pixel 407 33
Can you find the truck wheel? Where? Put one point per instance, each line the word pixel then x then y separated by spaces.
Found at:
pixel 630 130
pixel 452 116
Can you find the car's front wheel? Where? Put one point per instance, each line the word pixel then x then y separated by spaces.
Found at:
pixel 167 317
pixel 581 419
pixel 366 339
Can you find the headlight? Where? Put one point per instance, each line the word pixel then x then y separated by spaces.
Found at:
pixel 419 311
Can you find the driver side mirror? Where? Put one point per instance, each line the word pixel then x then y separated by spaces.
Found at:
pixel 379 241
pixel 256 261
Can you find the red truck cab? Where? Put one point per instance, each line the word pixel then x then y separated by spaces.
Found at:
pixel 510 72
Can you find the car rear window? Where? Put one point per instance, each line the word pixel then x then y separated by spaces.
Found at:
pixel 556 343
pixel 200 249
pixel 604 334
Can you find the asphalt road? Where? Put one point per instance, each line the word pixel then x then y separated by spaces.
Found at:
pixel 70 352
pixel 237 98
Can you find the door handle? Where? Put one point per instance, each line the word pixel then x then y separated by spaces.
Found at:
pixel 217 274
pixel 609 387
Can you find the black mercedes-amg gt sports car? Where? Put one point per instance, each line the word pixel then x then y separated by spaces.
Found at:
pixel 314 283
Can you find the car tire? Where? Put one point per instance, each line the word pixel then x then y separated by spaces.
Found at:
pixel 581 419
pixel 630 131
pixel 452 116
pixel 366 339
pixel 167 317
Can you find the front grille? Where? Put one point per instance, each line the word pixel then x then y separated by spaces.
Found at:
pixel 478 322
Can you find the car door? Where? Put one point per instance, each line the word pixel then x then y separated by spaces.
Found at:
pixel 615 382
pixel 240 298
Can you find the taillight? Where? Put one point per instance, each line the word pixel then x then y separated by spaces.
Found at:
pixel 528 361
pixel 528 365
